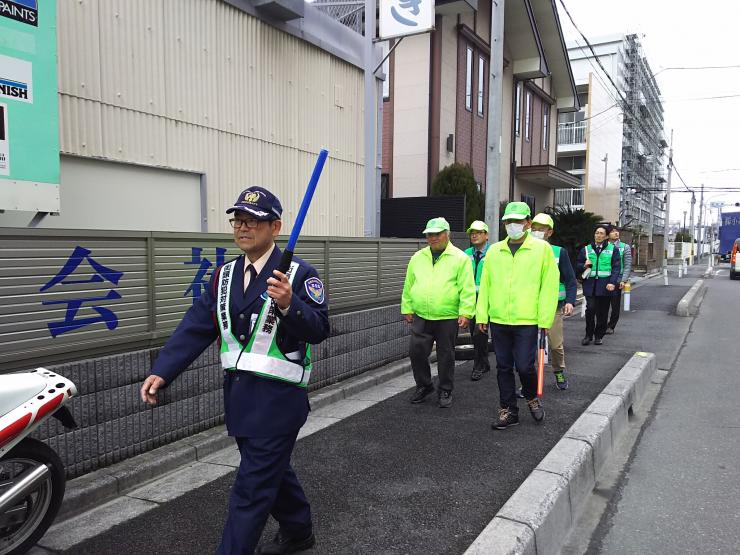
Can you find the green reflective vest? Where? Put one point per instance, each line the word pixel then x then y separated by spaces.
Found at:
pixel 601 266
pixel 561 289
pixel 477 266
pixel 620 246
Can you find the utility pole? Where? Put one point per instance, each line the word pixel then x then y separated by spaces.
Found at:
pixel 605 159
pixel 684 222
pixel 700 249
pixel 495 109
pixel 667 214
pixel 652 202
pixel 691 220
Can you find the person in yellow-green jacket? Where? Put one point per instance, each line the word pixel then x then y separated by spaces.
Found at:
pixel 518 295
pixel 478 232
pixel 438 297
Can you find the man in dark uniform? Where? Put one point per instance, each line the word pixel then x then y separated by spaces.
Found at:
pixel 266 321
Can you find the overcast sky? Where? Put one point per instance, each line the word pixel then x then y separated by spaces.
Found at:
pixel 679 33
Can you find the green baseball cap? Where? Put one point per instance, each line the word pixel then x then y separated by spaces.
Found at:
pixel 517 211
pixel 478 225
pixel 437 225
pixel 543 219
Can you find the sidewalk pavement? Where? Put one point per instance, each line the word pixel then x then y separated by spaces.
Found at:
pixel 680 493
pixel 383 475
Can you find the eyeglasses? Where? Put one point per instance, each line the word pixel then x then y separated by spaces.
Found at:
pixel 250 223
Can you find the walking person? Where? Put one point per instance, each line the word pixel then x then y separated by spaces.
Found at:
pixel 478 232
pixel 625 271
pixel 266 321
pixel 518 296
pixel 598 262
pixel 542 228
pixel 438 297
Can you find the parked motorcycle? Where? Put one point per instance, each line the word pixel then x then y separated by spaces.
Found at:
pixel 32 477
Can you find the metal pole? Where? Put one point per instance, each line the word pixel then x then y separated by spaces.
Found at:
pixel 667 215
pixel 495 108
pixel 370 125
pixel 691 223
pixel 605 159
pixel 652 202
pixel 700 250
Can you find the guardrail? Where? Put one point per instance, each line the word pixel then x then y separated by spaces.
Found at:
pixel 90 293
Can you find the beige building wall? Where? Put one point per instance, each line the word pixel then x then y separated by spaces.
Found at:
pixel 204 87
pixel 448 97
pixel 411 117
pixel 604 137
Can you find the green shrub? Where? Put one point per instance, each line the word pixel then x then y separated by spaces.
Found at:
pixel 456 180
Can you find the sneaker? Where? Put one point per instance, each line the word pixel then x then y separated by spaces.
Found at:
pixel 536 409
pixel 506 418
pixel 445 399
pixel 421 393
pixel 598 341
pixel 519 394
pixel 610 331
pixel 586 340
pixel 476 375
pixel 282 544
pixel 561 382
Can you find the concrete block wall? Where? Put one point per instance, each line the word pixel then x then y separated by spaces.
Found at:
pixel 115 425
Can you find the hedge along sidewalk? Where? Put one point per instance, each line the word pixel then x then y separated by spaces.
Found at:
pixel 105 484
pixel 540 514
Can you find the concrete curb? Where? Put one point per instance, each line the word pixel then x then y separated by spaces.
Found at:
pixel 540 514
pixel 107 483
pixel 689 303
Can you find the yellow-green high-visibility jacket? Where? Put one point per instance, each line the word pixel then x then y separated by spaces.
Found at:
pixel 520 289
pixel 440 291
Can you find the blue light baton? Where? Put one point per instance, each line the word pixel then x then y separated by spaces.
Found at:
pixel 288 252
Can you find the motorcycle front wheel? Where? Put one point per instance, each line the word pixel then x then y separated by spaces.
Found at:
pixel 23 524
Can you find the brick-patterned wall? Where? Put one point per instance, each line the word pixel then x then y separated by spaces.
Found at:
pixel 387 147
pixel 114 424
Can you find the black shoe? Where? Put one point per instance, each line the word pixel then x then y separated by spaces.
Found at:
pixel 445 399
pixel 506 418
pixel 519 394
pixel 536 409
pixel 476 375
pixel 282 544
pixel 586 340
pixel 610 331
pixel 421 393
pixel 598 341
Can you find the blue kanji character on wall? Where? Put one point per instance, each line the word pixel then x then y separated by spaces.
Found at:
pixel 411 6
pixel 101 274
pixel 201 276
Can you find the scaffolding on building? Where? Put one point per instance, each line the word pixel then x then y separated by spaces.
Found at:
pixel 350 13
pixel 642 197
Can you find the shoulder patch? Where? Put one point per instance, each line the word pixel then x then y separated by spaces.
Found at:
pixel 315 290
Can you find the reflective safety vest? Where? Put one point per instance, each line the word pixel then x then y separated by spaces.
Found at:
pixel 477 269
pixel 604 267
pixel 261 355
pixel 561 289
pixel 620 246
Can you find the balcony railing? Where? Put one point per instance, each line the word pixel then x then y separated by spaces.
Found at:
pixel 572 133
pixel 569 197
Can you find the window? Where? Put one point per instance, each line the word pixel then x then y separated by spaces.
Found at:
pixel 569 163
pixel 469 81
pixel 529 201
pixel 481 83
pixel 545 126
pixel 385 185
pixel 518 114
pixel 528 118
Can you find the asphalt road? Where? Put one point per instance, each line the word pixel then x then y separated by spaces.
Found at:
pixel 680 493
pixel 401 478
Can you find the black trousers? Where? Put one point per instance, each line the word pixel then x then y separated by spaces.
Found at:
pixel 424 333
pixel 515 346
pixel 480 346
pixel 597 308
pixel 616 304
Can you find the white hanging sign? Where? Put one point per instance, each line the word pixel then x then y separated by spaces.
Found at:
pixel 399 18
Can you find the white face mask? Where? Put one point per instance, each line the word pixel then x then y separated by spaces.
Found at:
pixel 515 231
pixel 539 234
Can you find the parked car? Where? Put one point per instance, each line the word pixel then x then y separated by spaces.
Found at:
pixel 735 260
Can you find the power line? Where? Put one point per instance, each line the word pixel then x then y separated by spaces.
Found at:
pixel 680 177
pixel 696 68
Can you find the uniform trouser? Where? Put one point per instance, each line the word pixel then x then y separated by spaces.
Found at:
pixel 515 346
pixel 616 303
pixel 424 333
pixel 480 347
pixel 265 485
pixel 555 342
pixel 597 308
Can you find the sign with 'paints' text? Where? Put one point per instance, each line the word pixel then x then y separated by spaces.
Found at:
pixel 399 18
pixel 29 118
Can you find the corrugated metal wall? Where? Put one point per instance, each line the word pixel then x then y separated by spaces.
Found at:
pixel 198 85
pixel 67 293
